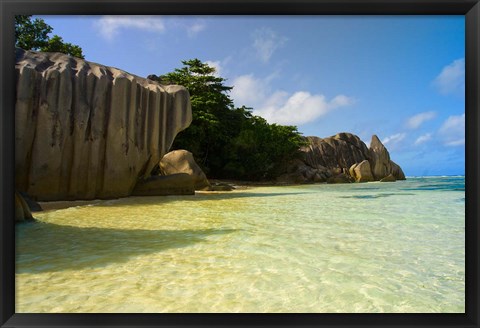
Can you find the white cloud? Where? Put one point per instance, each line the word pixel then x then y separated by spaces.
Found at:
pixel 454 143
pixel 109 26
pixel 452 131
pixel 415 121
pixel 394 139
pixel 248 90
pixel 423 138
pixel 215 64
pixel 195 28
pixel 452 78
pixel 300 107
pixel 266 42
pixel 282 107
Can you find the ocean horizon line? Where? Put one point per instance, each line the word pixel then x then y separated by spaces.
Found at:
pixel 437 176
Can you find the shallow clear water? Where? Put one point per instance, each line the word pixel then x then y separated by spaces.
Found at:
pixel 371 247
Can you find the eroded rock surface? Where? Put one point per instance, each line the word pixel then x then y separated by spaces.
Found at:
pixel 341 158
pixel 341 150
pixel 85 130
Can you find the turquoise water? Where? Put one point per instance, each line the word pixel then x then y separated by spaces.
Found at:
pixel 371 247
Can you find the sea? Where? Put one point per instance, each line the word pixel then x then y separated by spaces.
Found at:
pixel 320 248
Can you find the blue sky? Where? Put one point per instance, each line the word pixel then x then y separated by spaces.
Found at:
pixel 400 77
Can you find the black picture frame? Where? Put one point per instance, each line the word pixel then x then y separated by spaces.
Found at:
pixel 10 8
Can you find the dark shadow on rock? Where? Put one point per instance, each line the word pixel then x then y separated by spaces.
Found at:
pixel 47 247
pixel 33 205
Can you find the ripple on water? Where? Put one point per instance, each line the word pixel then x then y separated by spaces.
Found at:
pixel 318 248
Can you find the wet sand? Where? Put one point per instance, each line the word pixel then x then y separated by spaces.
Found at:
pixel 58 205
pixel 237 185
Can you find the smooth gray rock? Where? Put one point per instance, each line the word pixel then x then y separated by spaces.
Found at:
pixel 397 171
pixel 182 161
pixel 379 159
pixel 85 130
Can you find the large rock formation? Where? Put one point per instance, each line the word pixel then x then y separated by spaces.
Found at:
pixel 341 158
pixel 339 151
pixel 380 159
pixel 382 165
pixel 85 131
pixel 182 161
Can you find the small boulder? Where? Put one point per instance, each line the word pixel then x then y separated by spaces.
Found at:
pixel 388 178
pixel 181 161
pixel 362 172
pixel 340 178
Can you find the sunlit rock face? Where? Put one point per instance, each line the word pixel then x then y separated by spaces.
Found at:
pixel 85 130
pixel 382 165
pixel 339 151
pixel 182 161
pixel 361 172
pixel 342 158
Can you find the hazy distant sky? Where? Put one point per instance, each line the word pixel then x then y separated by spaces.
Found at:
pixel 400 77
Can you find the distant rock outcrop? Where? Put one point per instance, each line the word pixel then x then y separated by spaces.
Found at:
pixel 85 131
pixel 341 158
pixel 339 151
pixel 382 165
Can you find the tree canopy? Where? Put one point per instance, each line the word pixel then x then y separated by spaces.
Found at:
pixel 33 34
pixel 228 142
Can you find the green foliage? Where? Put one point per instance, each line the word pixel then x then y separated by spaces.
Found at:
pixel 228 142
pixel 262 149
pixel 33 35
pixel 56 44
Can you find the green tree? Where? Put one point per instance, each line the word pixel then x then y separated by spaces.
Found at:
pixel 56 44
pixel 261 150
pixel 32 34
pixel 228 142
pixel 211 107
